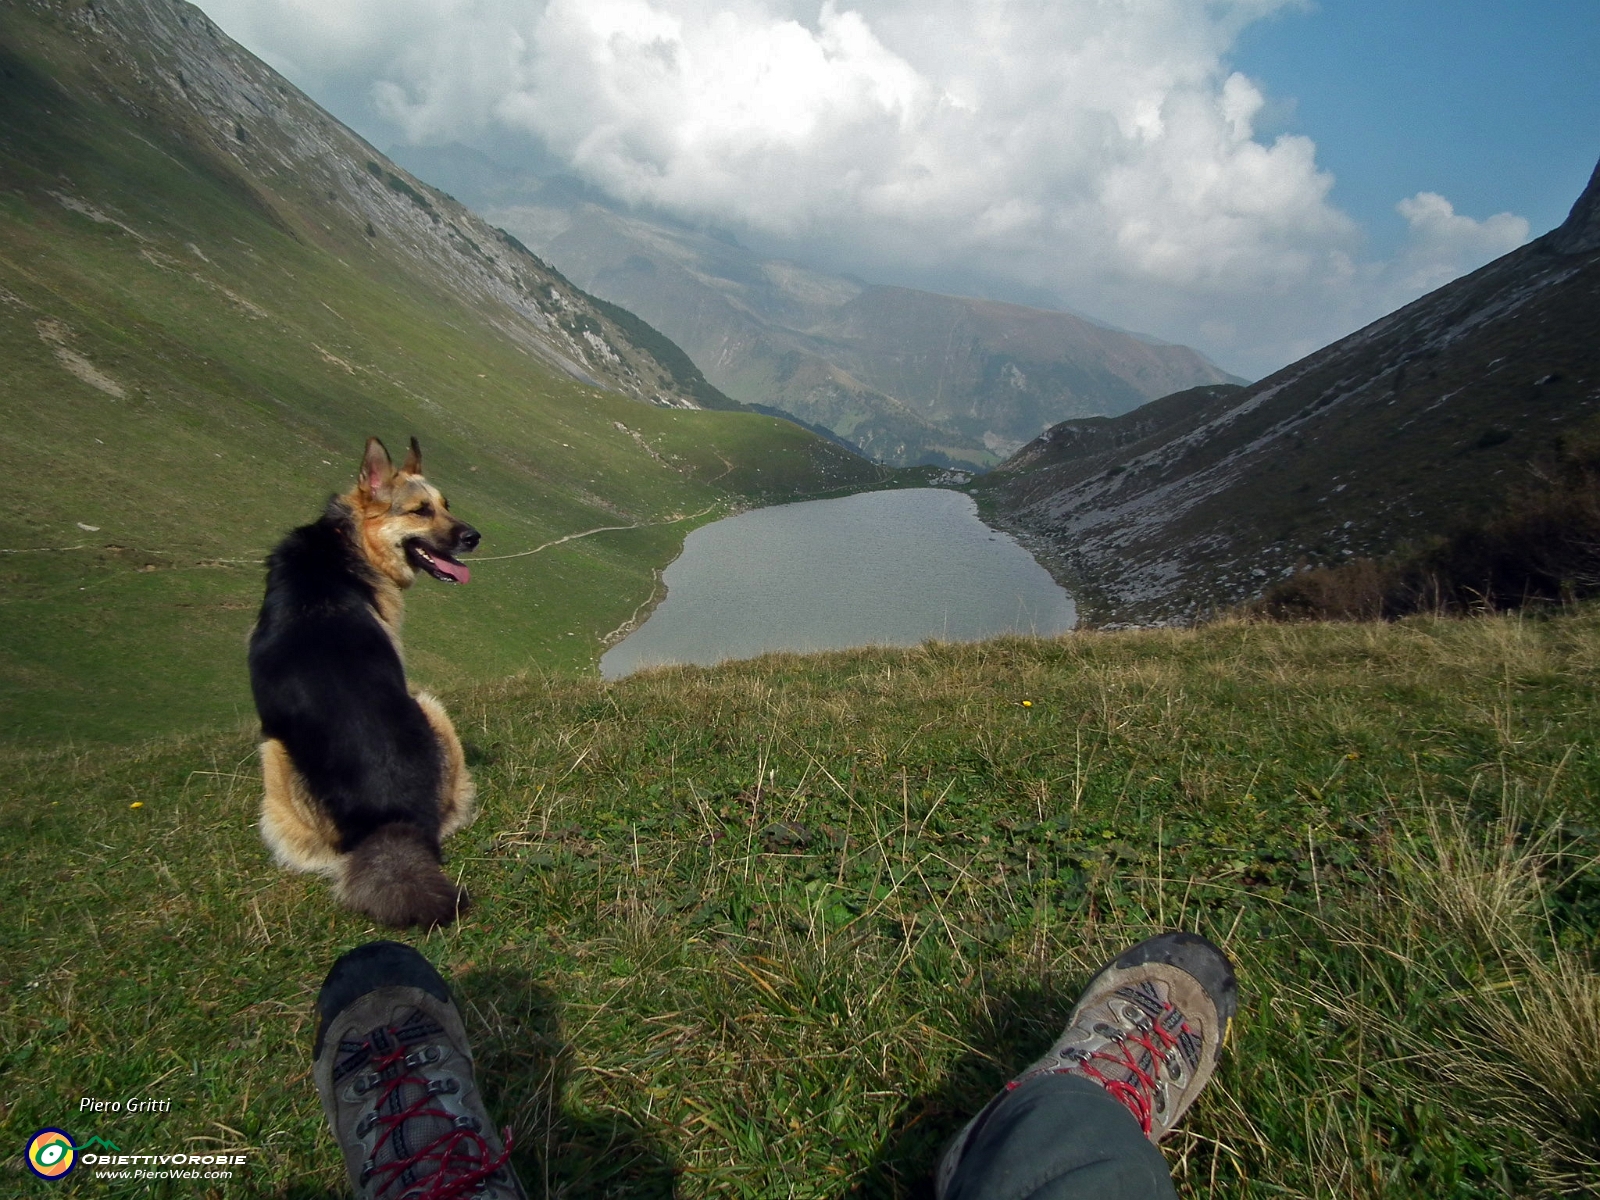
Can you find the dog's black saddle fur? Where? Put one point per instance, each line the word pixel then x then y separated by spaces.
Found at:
pixel 329 685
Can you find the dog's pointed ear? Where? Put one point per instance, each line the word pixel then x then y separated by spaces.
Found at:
pixel 377 468
pixel 413 463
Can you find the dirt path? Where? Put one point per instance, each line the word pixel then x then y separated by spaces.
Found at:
pixel 598 529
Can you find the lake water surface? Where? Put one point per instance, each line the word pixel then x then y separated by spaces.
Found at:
pixel 879 568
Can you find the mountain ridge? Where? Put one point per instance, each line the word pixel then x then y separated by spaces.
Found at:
pixel 908 375
pixel 1426 417
pixel 245 111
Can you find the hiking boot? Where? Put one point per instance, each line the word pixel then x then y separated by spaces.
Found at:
pixel 1149 1028
pixel 394 1071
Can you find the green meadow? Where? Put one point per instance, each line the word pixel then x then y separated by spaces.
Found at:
pixel 776 928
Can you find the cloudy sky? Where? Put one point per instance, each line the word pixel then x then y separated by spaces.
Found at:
pixel 1250 177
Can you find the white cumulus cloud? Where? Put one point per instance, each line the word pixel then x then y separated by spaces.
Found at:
pixel 1099 151
pixel 733 114
pixel 1445 244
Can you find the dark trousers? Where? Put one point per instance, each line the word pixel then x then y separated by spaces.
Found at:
pixel 1059 1137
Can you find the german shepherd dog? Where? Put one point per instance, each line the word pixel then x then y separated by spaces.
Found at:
pixel 363 779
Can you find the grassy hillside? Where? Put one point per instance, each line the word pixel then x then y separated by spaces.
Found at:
pixel 198 330
pixel 777 928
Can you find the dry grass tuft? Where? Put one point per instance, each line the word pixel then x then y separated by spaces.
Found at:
pixel 1528 1047
pixel 1510 1037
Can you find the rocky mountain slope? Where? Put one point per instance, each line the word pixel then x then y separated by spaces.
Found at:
pixel 909 376
pixel 211 293
pixel 317 180
pixel 1429 416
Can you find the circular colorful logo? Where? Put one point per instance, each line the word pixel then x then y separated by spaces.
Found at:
pixel 51 1154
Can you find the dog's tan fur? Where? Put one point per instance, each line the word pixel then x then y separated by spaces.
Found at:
pixel 389 507
pixel 298 831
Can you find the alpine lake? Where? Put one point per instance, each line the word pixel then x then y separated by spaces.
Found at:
pixel 890 568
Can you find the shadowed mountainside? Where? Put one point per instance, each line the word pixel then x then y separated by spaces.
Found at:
pixel 1426 418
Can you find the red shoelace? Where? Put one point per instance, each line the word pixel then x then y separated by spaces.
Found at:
pixel 1136 1094
pixel 461 1157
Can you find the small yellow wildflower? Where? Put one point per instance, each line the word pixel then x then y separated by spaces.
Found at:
pixel 1352 756
pixel 1027 704
pixel 137 804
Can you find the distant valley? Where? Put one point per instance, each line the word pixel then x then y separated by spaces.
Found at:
pixel 907 376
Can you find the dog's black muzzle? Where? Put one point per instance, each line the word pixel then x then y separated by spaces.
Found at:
pixel 440 562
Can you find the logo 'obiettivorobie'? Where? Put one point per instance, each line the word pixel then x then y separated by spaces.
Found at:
pixel 51 1154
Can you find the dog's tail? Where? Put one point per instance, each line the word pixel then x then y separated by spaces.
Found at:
pixel 395 878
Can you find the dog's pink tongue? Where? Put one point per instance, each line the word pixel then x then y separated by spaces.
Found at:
pixel 453 569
